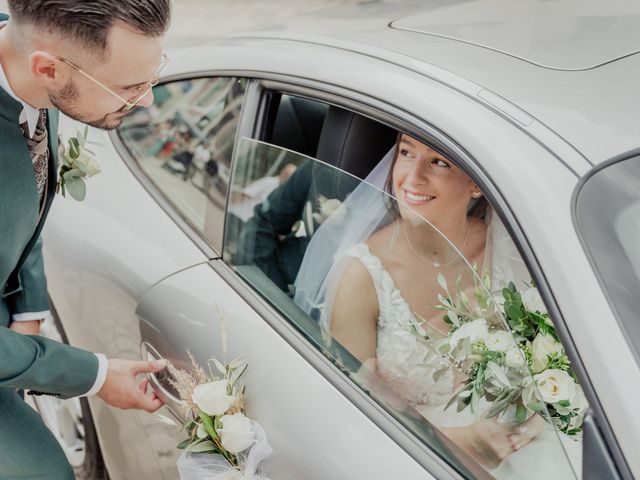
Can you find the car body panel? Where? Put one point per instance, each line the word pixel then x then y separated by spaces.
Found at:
pixel 284 392
pixel 586 108
pixel 553 35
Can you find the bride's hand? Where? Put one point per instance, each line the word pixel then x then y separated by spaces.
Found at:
pixel 489 442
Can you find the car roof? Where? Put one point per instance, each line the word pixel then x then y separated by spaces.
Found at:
pixel 571 64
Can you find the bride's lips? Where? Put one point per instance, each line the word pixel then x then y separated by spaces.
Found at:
pixel 413 198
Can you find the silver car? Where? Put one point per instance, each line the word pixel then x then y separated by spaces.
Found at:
pixel 537 101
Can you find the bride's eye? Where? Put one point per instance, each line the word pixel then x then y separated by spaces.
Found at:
pixel 438 162
pixel 405 153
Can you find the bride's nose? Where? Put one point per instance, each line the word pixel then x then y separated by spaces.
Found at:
pixel 419 172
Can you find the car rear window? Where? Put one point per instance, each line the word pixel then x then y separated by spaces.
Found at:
pixel 608 218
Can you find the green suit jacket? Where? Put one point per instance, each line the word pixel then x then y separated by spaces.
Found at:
pixel 30 362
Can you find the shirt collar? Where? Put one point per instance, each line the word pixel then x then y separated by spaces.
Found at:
pixel 29 113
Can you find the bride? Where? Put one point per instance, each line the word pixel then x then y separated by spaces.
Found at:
pixel 383 282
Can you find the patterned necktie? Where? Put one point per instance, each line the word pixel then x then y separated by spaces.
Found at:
pixel 39 149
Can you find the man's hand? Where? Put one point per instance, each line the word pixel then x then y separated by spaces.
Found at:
pixel 122 390
pixel 29 327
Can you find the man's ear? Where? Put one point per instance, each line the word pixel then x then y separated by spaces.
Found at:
pixel 47 70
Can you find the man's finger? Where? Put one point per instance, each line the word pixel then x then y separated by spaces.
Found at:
pixel 149 367
pixel 143 385
pixel 150 404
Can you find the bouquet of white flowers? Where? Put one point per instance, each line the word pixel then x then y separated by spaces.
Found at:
pixel 527 369
pixel 222 442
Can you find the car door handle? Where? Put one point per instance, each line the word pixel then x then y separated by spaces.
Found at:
pixel 160 382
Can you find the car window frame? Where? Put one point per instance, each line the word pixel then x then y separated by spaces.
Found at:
pixel 165 202
pixel 424 131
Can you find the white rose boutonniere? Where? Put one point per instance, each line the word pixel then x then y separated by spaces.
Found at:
pixel 77 163
pixel 327 207
pixel 236 433
pixel 212 397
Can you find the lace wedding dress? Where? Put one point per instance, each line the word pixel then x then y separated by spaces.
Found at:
pixel 409 366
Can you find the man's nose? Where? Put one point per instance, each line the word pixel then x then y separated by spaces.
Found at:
pixel 147 100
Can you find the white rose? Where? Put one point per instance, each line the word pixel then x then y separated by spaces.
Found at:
pixel 89 162
pixel 499 341
pixel 543 346
pixel 514 358
pixel 473 331
pixel 532 301
pixel 555 386
pixel 579 403
pixel 236 433
pixel 212 397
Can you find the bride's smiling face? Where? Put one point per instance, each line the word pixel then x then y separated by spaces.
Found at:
pixel 430 184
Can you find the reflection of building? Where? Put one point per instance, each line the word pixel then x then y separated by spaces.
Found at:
pixel 209 108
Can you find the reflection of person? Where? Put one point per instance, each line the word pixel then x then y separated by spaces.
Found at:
pixel 93 64
pixel 244 200
pixel 387 283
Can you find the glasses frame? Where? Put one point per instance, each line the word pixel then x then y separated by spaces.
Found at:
pixel 128 104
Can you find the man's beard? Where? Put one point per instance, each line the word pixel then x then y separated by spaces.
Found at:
pixel 64 100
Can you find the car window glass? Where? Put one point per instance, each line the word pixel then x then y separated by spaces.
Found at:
pixel 407 316
pixel 608 217
pixel 184 143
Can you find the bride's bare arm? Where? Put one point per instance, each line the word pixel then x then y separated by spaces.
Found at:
pixel 355 312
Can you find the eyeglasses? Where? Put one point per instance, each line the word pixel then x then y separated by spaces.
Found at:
pixel 145 88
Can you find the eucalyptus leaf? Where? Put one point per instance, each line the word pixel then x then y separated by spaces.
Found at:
pixel 219 366
pixel 521 412
pixel 454 318
pixel 534 406
pixel 498 373
pixel 204 447
pixel 76 188
pixel 442 282
pixel 184 444
pixel 73 173
pixel 207 423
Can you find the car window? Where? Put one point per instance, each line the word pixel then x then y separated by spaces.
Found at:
pixel 434 336
pixel 184 143
pixel 608 217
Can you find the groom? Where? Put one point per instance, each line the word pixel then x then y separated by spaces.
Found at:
pixel 92 60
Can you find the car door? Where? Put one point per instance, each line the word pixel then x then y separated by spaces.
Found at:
pixel 242 300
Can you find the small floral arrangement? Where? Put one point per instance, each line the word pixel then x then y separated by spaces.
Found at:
pixel 326 208
pixel 77 163
pixel 221 439
pixel 527 369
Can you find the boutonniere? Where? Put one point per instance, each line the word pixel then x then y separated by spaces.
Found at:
pixel 77 163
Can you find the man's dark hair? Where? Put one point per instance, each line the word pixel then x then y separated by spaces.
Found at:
pixel 89 21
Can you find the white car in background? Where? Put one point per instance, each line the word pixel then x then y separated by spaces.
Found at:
pixel 537 101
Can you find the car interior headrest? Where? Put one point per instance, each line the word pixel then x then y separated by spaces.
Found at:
pixel 352 142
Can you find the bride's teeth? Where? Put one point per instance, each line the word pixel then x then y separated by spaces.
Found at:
pixel 418 198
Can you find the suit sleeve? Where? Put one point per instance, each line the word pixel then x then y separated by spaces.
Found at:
pixel 32 297
pixel 37 363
